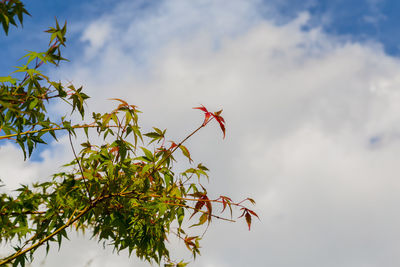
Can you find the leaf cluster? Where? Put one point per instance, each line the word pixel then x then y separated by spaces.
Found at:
pixel 11 11
pixel 124 190
pixel 23 114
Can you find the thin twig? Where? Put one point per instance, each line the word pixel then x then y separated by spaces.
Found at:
pixel 202 211
pixel 80 167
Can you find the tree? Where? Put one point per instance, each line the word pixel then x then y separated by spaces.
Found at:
pixel 124 190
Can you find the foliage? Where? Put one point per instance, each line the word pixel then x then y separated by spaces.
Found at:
pixel 122 191
pixel 9 9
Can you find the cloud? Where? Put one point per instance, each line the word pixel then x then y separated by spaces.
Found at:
pixel 97 34
pixel 16 171
pixel 301 107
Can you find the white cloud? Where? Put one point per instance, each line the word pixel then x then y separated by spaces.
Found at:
pixel 16 171
pixel 301 110
pixel 97 34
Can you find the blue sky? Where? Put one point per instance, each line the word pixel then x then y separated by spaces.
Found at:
pixel 373 20
pixel 362 20
pixel 310 92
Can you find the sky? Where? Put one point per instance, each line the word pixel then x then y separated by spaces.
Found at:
pixel 310 93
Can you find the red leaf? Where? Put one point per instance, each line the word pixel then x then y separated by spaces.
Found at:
pixel 223 204
pixel 189 243
pixel 251 200
pixel 207 118
pixel 216 115
pixel 188 239
pixel 209 206
pixel 248 219
pixel 120 100
pixel 255 214
pixel 114 149
pixel 225 200
pixel 202 108
pixel 198 206
pixel 222 119
pixel 207 114
pixel 173 145
pixel 221 122
pixel 244 212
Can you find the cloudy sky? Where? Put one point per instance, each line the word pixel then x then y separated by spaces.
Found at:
pixel 310 92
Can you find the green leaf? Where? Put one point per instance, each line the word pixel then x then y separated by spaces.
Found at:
pixel 33 103
pixel 152 135
pixel 122 149
pixel 168 179
pixel 180 214
pixel 86 129
pixel 8 79
pixel 185 152
pixel 148 154
pixel 203 218
pixel 5 22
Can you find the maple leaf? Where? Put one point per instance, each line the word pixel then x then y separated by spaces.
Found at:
pixel 200 203
pixel 208 116
pixel 247 215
